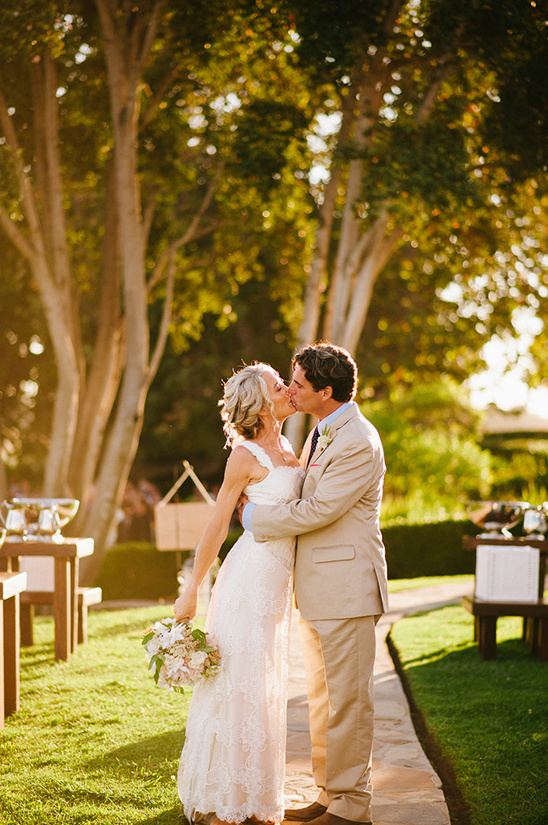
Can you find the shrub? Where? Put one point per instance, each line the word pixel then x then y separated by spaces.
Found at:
pixel 434 549
pixel 137 570
pixel 429 438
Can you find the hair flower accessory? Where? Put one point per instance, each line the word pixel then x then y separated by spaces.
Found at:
pixel 325 438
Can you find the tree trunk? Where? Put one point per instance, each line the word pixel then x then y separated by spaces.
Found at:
pixel 124 55
pixel 67 343
pixel 317 280
pixel 97 418
pixel 371 268
pixel 54 292
pixel 106 368
pixel 4 486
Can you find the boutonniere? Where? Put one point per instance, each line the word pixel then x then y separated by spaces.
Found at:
pixel 325 439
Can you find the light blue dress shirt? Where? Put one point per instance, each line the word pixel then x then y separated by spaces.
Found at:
pixel 322 425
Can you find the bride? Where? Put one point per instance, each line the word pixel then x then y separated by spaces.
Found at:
pixel 233 760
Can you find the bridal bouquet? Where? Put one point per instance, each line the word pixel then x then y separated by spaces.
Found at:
pixel 179 654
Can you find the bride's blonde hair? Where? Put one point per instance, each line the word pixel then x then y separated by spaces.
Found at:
pixel 245 395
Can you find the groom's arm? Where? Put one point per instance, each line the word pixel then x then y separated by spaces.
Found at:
pixel 245 510
pixel 356 468
pixel 246 516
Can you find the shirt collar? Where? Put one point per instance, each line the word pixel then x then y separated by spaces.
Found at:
pixel 329 419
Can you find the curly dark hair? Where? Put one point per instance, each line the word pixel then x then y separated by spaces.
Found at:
pixel 326 365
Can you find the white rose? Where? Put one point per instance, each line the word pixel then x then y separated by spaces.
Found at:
pixel 197 659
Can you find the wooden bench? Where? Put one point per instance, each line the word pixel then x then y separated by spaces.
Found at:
pixel 86 596
pixel 535 624
pixel 11 585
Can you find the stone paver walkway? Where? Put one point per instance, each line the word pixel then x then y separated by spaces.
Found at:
pixel 407 790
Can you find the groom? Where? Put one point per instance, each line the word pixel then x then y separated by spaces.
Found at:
pixel 340 579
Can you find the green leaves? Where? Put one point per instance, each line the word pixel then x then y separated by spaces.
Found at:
pixel 266 128
pixel 200 636
pixel 155 665
pixel 147 637
pixel 429 436
pixel 454 111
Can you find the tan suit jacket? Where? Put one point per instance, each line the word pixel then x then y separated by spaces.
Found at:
pixel 340 569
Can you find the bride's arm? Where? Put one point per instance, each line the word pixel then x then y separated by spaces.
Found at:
pixel 240 469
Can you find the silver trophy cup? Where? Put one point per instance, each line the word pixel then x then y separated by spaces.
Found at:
pixel 496 517
pixel 14 520
pixel 45 517
pixel 534 522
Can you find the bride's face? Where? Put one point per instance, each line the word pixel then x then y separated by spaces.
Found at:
pixel 279 395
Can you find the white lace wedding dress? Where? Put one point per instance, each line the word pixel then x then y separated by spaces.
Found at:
pixel 233 759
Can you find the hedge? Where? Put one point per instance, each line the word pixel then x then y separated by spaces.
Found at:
pixel 137 570
pixel 433 549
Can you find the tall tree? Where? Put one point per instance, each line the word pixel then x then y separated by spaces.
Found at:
pixel 156 156
pixel 425 138
pixel 135 111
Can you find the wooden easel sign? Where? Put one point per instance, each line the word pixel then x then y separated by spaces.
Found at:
pixel 180 526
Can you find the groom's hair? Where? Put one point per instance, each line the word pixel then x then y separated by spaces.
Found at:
pixel 326 365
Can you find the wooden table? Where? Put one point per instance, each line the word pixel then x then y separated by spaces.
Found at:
pixel 11 585
pixel 534 614
pixel 66 554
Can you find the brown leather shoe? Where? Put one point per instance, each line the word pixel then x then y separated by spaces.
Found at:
pixel 332 819
pixel 305 814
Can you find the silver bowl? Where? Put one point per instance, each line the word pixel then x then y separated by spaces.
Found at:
pixel 45 517
pixel 496 517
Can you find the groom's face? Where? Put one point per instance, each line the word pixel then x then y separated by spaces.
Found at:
pixel 303 395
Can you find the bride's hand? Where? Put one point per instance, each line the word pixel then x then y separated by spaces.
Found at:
pixel 186 606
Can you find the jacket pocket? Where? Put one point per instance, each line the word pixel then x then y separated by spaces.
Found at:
pixel 340 552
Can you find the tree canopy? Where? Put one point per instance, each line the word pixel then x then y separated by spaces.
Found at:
pixel 238 178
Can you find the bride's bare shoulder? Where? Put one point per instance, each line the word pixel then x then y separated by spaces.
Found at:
pixel 241 457
pixel 240 452
pixel 243 462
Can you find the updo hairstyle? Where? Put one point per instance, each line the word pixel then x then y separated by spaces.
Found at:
pixel 245 395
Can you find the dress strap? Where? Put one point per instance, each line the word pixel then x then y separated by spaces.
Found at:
pixel 259 452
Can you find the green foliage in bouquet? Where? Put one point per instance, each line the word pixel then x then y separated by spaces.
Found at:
pixel 179 654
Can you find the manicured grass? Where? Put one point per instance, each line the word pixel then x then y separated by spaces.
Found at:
pixel 95 740
pixel 490 719
pixel 395 585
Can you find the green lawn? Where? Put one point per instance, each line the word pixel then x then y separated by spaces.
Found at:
pixel 490 719
pixel 95 740
pixel 396 585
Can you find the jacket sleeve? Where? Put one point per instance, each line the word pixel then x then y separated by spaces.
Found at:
pixel 347 477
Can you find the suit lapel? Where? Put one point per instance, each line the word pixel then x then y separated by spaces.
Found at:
pixel 339 422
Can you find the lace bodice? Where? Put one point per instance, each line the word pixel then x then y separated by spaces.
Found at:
pixel 280 485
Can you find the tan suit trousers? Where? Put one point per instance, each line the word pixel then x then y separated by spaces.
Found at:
pixel 339 656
